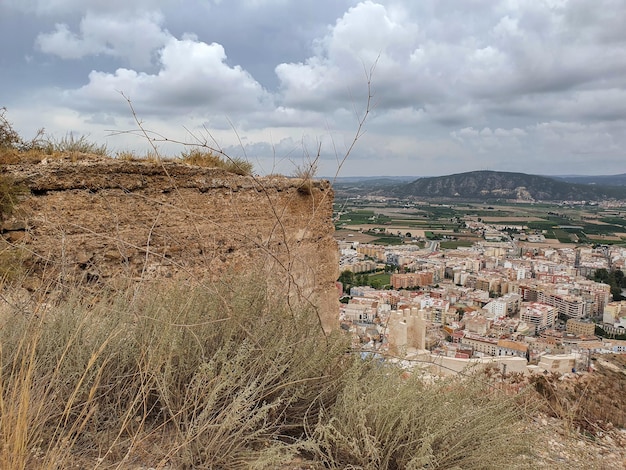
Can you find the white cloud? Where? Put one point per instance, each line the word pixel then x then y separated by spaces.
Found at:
pixel 366 35
pixel 466 55
pixel 133 38
pixel 193 78
pixel 456 82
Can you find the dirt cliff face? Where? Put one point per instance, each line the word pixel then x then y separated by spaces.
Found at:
pixel 100 220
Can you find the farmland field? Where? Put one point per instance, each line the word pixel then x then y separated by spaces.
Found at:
pixel 402 222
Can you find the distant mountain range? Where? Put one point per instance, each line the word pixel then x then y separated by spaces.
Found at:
pixel 606 180
pixel 490 185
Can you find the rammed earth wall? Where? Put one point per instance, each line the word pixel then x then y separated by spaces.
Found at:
pixel 100 220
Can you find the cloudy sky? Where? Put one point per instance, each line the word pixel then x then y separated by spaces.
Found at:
pixel 456 85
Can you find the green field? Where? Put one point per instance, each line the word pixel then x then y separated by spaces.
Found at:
pixel 383 278
pixel 454 244
pixel 582 224
pixel 388 241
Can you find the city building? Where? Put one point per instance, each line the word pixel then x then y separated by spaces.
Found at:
pixel 540 315
pixel 580 327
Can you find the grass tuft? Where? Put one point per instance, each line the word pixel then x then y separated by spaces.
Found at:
pixel 208 159
pixel 10 194
pixel 69 144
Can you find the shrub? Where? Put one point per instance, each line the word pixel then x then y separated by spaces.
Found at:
pixel 11 140
pixel 228 377
pixel 206 158
pixel 382 419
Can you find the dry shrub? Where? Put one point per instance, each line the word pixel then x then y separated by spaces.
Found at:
pixel 11 140
pixel 587 403
pixel 225 377
pixel 206 158
pixel 384 420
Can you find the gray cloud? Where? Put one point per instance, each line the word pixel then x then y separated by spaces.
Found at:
pixel 457 84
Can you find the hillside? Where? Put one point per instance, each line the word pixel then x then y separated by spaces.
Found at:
pixel 484 185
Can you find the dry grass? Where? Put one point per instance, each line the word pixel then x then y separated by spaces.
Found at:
pixel 10 194
pixel 12 268
pixel 384 420
pixel 206 158
pixel 224 377
pixel 588 403
pixel 74 146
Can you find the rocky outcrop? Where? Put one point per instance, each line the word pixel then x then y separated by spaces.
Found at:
pixel 100 220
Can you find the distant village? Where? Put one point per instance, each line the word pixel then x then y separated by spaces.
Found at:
pixel 519 307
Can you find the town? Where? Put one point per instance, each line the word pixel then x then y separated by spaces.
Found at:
pixel 481 290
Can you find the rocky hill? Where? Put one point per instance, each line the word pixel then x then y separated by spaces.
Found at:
pixel 485 185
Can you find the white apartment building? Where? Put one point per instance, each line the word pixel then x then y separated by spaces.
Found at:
pixel 540 315
pixel 508 304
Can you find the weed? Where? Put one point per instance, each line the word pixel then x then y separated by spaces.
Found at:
pixel 206 158
pixel 69 144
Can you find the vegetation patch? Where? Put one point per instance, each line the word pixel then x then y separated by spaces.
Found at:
pixel 388 241
pixel 207 158
pixel 592 403
pixel 226 376
pixel 454 244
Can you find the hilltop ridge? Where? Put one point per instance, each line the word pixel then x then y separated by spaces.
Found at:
pixel 486 184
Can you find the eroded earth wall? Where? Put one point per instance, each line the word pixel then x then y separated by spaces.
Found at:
pixel 100 220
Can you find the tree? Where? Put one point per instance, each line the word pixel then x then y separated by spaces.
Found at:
pixel 346 278
pixel 616 292
pixel 601 275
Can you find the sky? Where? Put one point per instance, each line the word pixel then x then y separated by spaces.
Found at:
pixel 421 88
